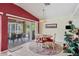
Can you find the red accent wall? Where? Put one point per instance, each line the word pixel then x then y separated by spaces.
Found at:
pixel 14 10
pixel 4 40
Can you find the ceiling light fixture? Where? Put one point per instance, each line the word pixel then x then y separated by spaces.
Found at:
pixel 44 9
pixel 46 4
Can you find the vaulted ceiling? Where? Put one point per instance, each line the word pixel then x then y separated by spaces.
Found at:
pixel 52 10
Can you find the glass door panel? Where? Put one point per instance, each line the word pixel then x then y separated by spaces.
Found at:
pixel 13 26
pixel 28 30
pixel 14 31
pixel 33 30
pixel 19 28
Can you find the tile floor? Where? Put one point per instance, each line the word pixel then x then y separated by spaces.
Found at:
pixel 23 50
pixel 17 42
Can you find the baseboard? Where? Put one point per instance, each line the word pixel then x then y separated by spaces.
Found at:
pixel 4 51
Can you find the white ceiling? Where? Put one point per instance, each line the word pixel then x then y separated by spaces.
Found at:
pixel 52 10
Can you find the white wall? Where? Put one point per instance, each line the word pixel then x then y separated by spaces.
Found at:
pixel 76 22
pixel 60 30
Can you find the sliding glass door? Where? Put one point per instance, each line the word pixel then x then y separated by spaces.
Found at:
pixel 15 31
pixel 30 30
pixel 11 28
pixel 27 29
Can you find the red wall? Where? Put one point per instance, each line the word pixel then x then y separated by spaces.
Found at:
pixel 14 10
pixel 4 33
